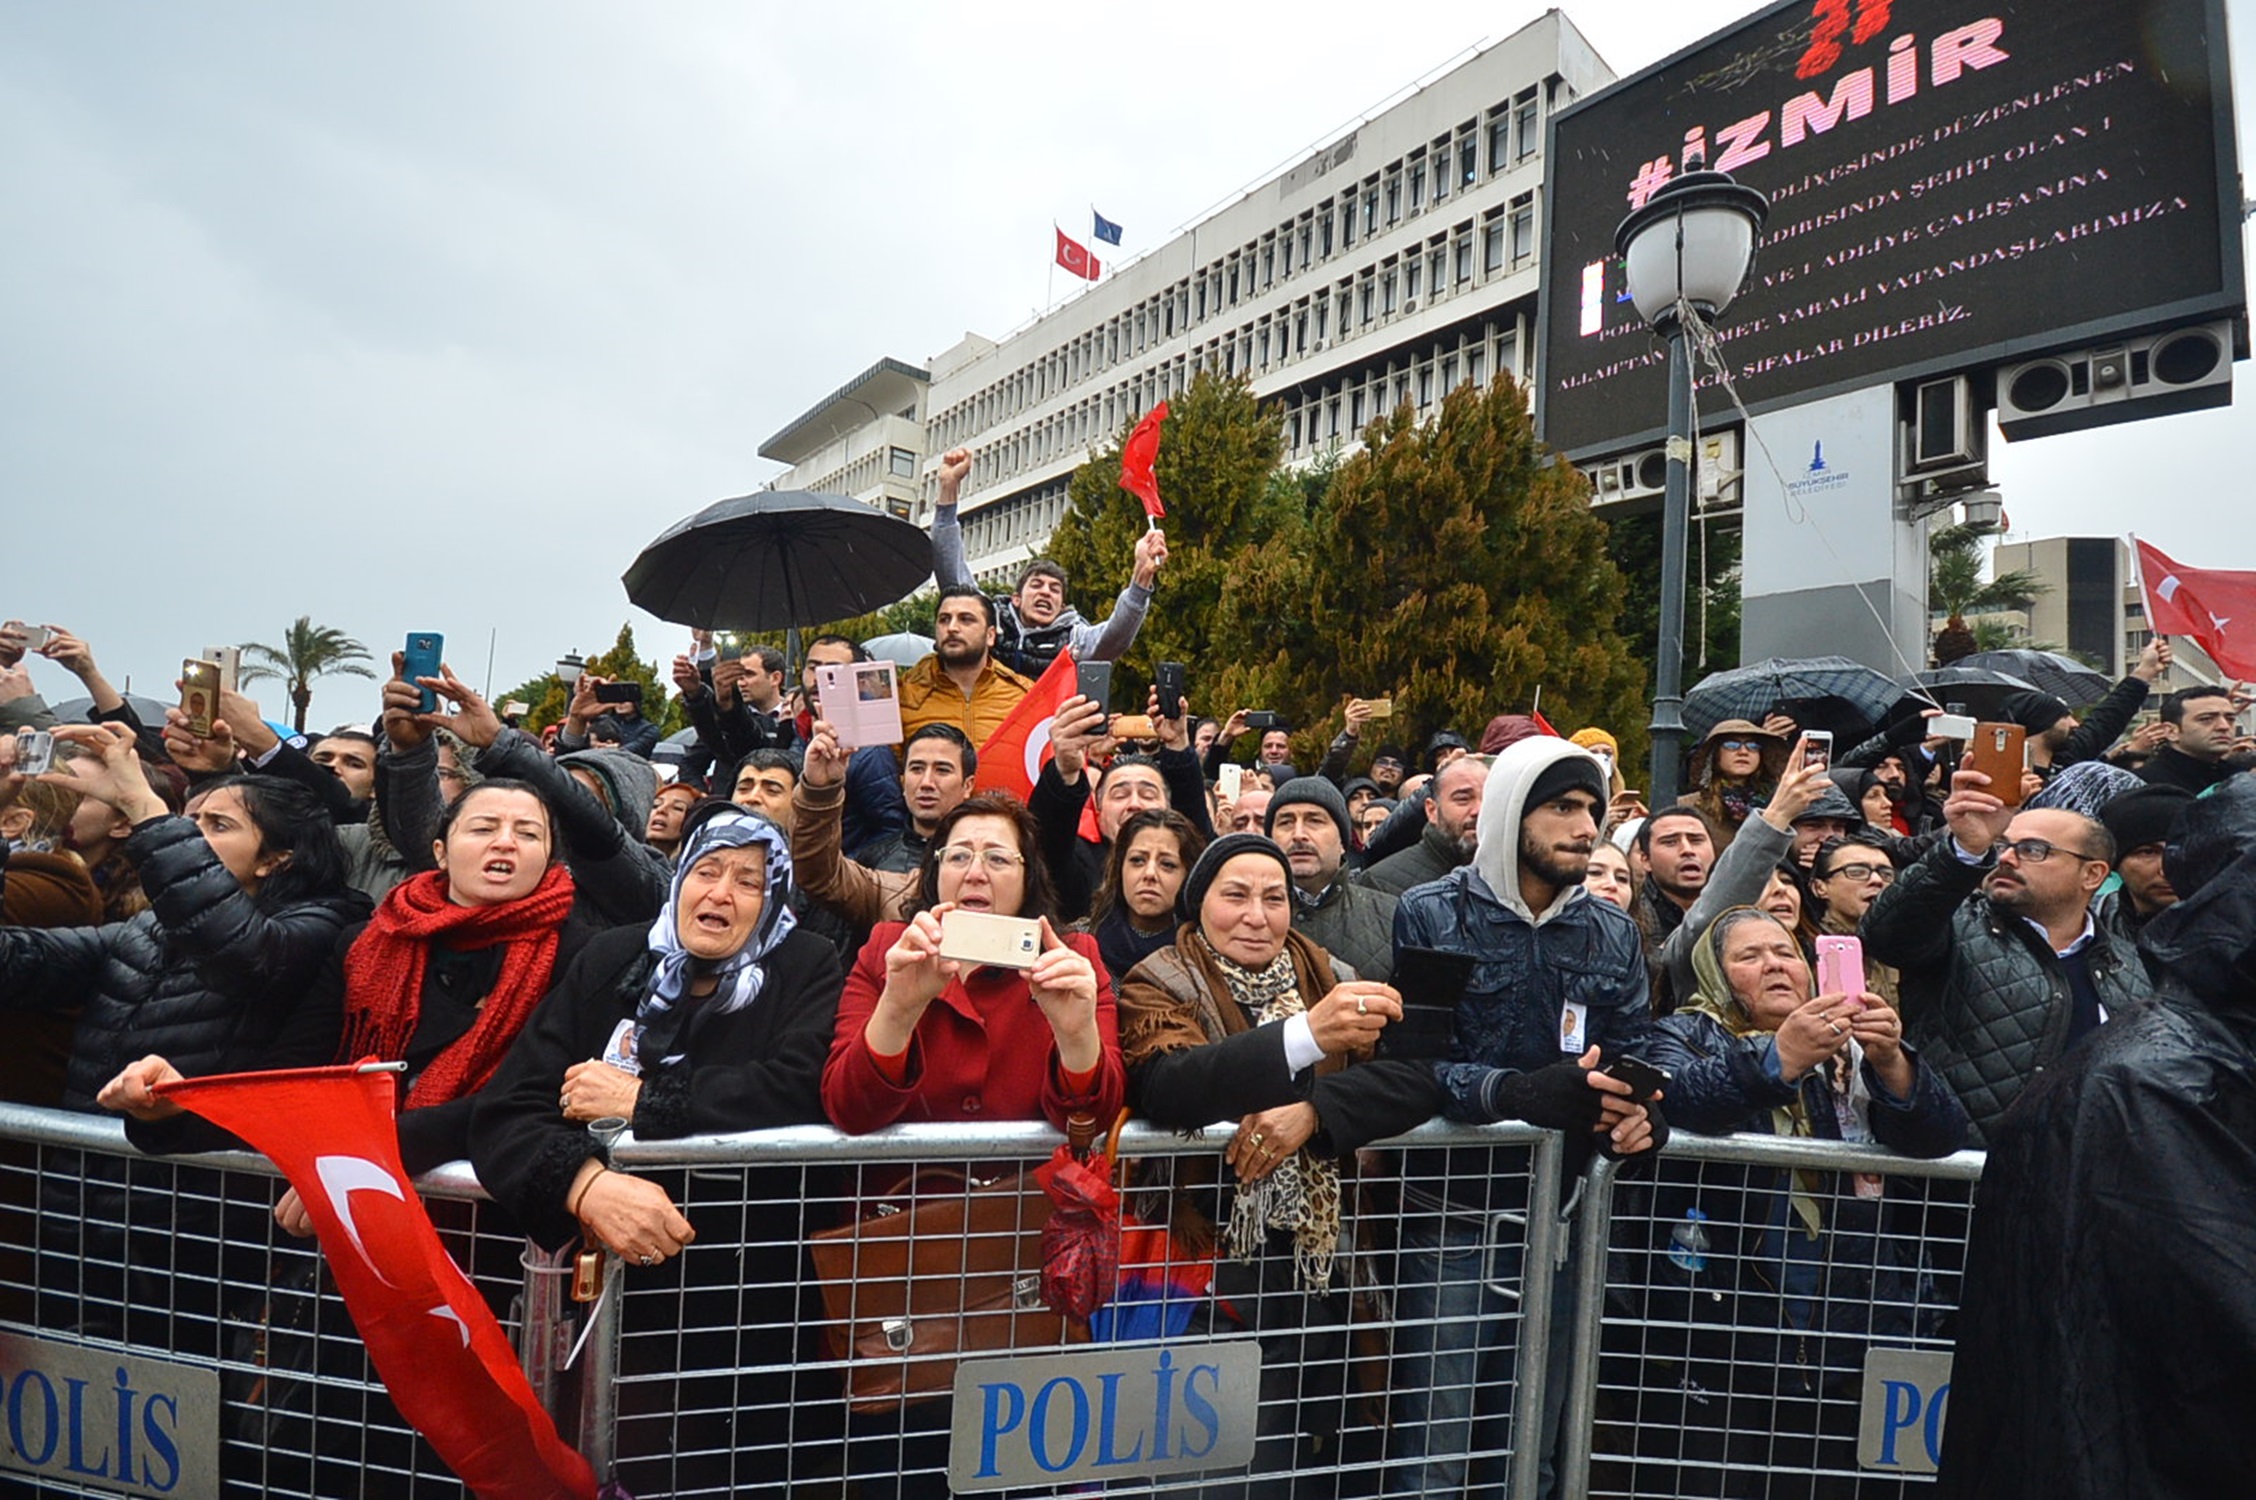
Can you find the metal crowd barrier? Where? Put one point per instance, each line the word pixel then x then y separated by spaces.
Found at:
pixel 715 1375
pixel 1764 1317
pixel 210 1353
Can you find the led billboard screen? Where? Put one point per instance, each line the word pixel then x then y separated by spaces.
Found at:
pixel 1952 183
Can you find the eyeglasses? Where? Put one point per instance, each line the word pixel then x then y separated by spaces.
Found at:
pixel 997 861
pixel 1754 745
pixel 1886 874
pixel 2037 851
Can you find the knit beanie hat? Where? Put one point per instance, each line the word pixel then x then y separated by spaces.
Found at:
pixel 1831 803
pixel 1566 774
pixel 2033 711
pixel 1506 730
pixel 629 782
pixel 1210 863
pixel 2144 816
pixel 1310 789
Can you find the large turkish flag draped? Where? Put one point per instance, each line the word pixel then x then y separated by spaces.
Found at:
pixel 429 1333
pixel 2215 608
pixel 1016 752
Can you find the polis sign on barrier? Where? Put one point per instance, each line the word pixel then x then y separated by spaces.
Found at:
pixel 1109 1412
pixel 1906 1395
pixel 99 1419
pixel 1953 183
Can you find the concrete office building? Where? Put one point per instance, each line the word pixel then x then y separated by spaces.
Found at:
pixel 865 439
pixel 1391 264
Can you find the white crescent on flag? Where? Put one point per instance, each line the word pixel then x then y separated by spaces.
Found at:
pixel 1038 747
pixel 341 1177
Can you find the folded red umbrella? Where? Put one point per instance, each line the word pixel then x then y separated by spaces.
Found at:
pixel 1081 1243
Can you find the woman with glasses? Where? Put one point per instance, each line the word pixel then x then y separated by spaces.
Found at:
pixel 1843 880
pixel 1733 773
pixel 922 1037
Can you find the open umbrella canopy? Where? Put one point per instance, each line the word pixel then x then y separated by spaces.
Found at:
pixel 148 710
pixel 1980 689
pixel 904 647
pixel 2062 676
pixel 1832 693
pixel 777 559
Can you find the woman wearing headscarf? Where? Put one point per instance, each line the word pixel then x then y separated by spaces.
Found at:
pixel 1799 1268
pixel 714 1018
pixel 1244 1016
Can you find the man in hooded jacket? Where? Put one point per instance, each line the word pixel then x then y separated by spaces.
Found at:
pixel 1557 986
pixel 2107 1338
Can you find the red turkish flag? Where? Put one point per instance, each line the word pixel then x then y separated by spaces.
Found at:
pixel 2212 607
pixel 1076 258
pixel 429 1333
pixel 1015 753
pixel 1138 455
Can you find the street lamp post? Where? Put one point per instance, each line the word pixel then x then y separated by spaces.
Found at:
pixel 569 667
pixel 1687 252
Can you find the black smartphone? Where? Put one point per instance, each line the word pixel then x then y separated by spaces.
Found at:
pixel 1431 983
pixel 1263 718
pixel 620 692
pixel 1093 681
pixel 420 660
pixel 1645 1081
pixel 1170 684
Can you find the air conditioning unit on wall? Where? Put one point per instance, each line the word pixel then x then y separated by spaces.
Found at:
pixel 2153 375
pixel 1642 477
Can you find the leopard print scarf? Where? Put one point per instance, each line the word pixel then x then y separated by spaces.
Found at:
pixel 1301 1193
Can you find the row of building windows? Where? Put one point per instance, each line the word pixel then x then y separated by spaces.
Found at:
pixel 1501 243
pixel 1021 521
pixel 1337 410
pixel 1422 181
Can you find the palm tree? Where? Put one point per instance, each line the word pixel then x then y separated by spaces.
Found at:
pixel 1955 587
pixel 307 651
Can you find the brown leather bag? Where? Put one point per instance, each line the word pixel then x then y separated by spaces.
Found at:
pixel 944 1268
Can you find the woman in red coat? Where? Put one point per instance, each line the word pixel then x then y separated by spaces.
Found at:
pixel 921 1037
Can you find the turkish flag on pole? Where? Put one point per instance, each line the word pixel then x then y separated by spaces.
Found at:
pixel 1138 455
pixel 2211 607
pixel 429 1333
pixel 1075 257
pixel 1015 753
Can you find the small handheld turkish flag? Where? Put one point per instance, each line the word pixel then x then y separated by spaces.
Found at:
pixel 1138 455
pixel 1075 257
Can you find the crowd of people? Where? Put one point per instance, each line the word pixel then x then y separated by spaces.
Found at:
pixel 550 930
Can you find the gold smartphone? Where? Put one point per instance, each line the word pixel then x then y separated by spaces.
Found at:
pixel 1380 708
pixel 199 695
pixel 977 937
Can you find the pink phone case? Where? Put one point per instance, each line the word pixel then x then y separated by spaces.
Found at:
pixel 1840 966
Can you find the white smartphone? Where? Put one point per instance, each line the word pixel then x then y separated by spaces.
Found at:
pixel 1231 779
pixel 977 937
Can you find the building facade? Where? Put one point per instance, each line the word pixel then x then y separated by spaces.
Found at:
pixel 1390 265
pixel 865 439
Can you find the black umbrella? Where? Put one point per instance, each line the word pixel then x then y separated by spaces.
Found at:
pixel 1980 689
pixel 1832 693
pixel 778 559
pixel 2062 676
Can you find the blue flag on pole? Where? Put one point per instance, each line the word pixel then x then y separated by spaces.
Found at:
pixel 1106 230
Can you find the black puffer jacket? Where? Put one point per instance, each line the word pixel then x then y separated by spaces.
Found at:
pixel 1982 995
pixel 203 978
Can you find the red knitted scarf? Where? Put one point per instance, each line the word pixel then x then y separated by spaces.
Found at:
pixel 384 976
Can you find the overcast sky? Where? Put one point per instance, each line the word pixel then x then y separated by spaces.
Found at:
pixel 429 316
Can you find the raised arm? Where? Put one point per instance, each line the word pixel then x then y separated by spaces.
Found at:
pixel 948 565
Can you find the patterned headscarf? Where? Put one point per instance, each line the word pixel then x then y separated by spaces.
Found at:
pixel 742 973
